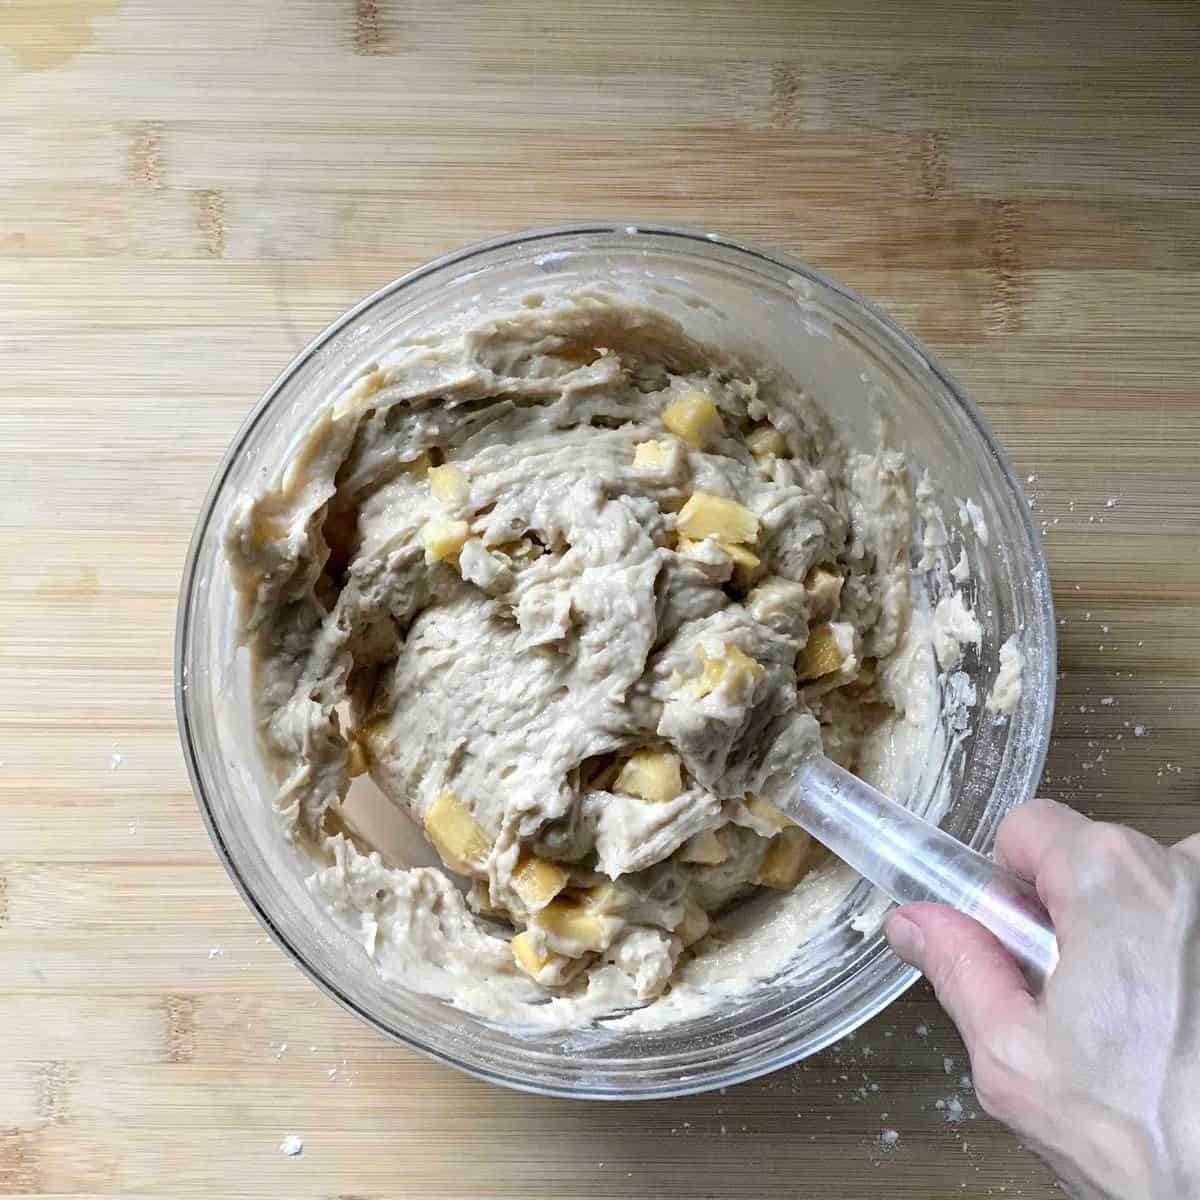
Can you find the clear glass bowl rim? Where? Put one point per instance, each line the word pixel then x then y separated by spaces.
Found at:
pixel 854 1018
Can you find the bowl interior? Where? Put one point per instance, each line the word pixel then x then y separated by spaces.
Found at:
pixel 861 369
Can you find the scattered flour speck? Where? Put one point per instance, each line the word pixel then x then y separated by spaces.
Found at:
pixel 291 1146
pixel 216 952
pixel 115 761
pixel 922 1031
pixel 1139 731
pixel 888 1139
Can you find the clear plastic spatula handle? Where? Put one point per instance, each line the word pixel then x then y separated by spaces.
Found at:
pixel 910 859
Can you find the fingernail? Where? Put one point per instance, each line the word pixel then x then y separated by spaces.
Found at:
pixel 906 939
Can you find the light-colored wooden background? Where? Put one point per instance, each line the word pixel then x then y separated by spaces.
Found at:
pixel 189 191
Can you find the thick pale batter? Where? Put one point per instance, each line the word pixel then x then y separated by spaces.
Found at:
pixel 572 588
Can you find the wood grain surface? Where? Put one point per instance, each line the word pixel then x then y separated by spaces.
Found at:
pixel 188 192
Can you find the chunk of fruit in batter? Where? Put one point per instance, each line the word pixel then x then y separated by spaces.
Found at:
pixel 694 925
pixel 821 654
pixel 528 957
pixel 651 454
pixel 578 924
pixel 707 515
pixel 823 585
pixel 655 775
pixel 537 881
pixel 731 663
pixel 742 557
pixel 783 864
pixel 765 441
pixel 764 810
pixel 695 418
pixel 448 483
pixel 443 539
pixel 705 848
pixel 456 834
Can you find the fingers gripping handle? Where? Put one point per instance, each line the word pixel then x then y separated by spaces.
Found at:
pixel 910 859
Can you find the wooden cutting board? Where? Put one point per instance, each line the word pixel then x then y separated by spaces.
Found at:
pixel 188 192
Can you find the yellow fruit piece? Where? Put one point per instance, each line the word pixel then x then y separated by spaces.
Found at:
pixel 867 673
pixel 448 483
pixel 528 957
pixel 823 585
pixel 742 557
pixel 705 848
pixel 651 454
pixel 577 922
pixel 821 654
pixel 655 775
pixel 695 418
pixel 537 881
pixel 765 441
pixel 706 515
pixel 443 539
pixel 764 810
pixel 456 834
pixel 732 663
pixel 694 926
pixel 783 864
pixel 419 465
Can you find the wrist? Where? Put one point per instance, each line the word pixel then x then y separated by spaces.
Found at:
pixel 1102 1154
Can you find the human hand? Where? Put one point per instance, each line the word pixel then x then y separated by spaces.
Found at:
pixel 1101 1073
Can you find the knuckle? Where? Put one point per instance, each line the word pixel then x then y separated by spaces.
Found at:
pixel 1012 820
pixel 1186 859
pixel 1104 853
pixel 1036 807
pixel 1104 842
pixel 1033 812
pixel 1026 829
pixel 1190 846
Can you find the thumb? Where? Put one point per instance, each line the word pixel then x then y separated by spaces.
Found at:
pixel 975 979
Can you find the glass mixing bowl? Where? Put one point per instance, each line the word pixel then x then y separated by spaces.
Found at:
pixel 836 345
